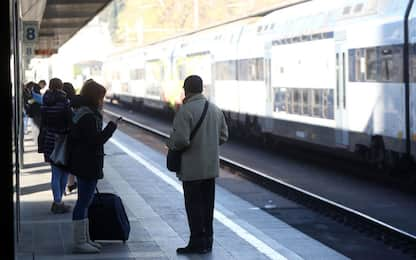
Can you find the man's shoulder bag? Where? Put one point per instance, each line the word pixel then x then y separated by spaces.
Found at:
pixel 174 157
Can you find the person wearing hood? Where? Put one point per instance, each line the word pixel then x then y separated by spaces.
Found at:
pixel 56 122
pixel 86 158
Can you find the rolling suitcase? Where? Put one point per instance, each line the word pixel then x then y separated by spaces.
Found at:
pixel 107 218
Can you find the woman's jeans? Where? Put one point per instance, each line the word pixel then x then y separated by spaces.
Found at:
pixel 86 190
pixel 58 182
pixel 25 122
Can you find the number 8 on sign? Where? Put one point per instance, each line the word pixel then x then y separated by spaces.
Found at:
pixel 30 33
pixel 30 30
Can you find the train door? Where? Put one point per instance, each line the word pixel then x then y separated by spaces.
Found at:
pixel 341 132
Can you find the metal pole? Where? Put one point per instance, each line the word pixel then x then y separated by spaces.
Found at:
pixel 406 75
pixel 6 177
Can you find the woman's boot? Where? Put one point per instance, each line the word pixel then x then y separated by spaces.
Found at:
pixel 94 244
pixel 81 244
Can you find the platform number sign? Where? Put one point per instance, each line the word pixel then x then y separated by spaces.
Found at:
pixel 30 32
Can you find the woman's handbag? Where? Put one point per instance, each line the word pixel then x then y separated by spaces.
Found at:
pixel 174 157
pixel 59 155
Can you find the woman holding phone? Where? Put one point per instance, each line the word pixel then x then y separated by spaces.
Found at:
pixel 86 159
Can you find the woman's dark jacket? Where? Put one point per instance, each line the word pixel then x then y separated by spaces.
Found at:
pixel 55 120
pixel 86 139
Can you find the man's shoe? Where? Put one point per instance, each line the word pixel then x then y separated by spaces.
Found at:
pixel 191 250
pixel 208 241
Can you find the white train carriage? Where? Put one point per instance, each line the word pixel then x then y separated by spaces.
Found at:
pixel 336 73
pixel 370 35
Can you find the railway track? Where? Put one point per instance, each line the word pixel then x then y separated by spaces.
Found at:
pixel 391 236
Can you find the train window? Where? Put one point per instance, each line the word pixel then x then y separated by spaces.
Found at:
pixel 260 68
pixel 327 104
pixel 386 64
pixel 259 29
pixel 289 101
pixel 397 69
pixel 412 64
pixel 317 101
pixel 358 8
pixel 317 36
pixel 347 10
pixel 272 26
pixel 251 69
pixel 297 101
pixel 306 38
pixel 280 101
pixel 328 35
pixel 243 70
pixel 371 64
pixel 225 70
pixel 305 102
pixel 351 60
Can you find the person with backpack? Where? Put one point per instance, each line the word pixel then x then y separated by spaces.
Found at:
pixel 86 159
pixel 55 125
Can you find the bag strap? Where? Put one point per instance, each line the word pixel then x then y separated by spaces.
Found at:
pixel 200 120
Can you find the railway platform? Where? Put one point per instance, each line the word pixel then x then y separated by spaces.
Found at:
pixel 154 203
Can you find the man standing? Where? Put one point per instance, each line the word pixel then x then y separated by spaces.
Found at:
pixel 200 162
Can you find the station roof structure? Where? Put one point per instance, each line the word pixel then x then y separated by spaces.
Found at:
pixel 58 20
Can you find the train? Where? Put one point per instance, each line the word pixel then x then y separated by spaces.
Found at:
pixel 338 75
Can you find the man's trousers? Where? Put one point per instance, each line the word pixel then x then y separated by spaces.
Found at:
pixel 199 203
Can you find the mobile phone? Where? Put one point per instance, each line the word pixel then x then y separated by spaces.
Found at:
pixel 119 119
